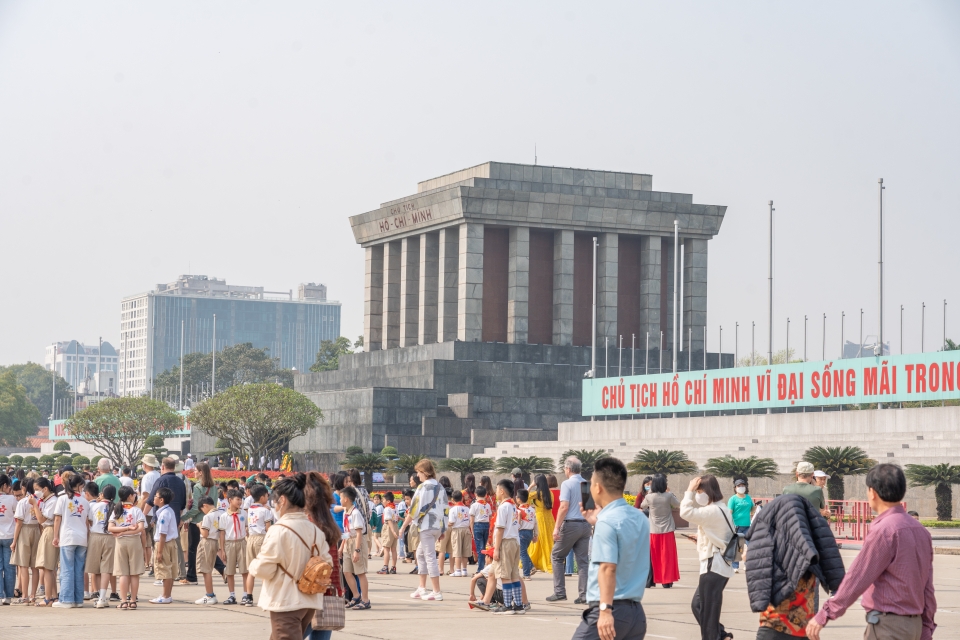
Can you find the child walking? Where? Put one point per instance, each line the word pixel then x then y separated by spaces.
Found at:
pixel 165 564
pixel 506 550
pixel 233 546
pixel 389 536
pixel 70 535
pixel 480 512
pixel 354 548
pixel 128 526
pixel 209 547
pixel 528 531
pixel 26 539
pixel 460 537
pixel 101 545
pixel 259 519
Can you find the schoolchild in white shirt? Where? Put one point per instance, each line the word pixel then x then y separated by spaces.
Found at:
pixel 26 539
pixel 506 550
pixel 209 547
pixel 165 564
pixel 460 538
pixel 128 526
pixel 354 547
pixel 233 546
pixel 8 508
pixel 259 518
pixel 480 512
pixel 101 545
pixel 70 536
pixel 528 531
pixel 44 504
pixel 389 534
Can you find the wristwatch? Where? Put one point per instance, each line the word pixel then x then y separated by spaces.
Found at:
pixel 606 607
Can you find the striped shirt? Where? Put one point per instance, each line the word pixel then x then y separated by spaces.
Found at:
pixel 894 572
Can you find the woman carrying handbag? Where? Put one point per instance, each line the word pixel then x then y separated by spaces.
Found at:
pixel 333 616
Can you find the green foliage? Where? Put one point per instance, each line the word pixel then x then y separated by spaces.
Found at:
pixel 16 460
pixel 838 462
pixel 79 461
pixel 733 468
pixel 63 445
pixel 389 452
pixel 328 358
pixel 95 459
pixel 154 445
pixel 257 419
pixel 118 427
pixel 950 345
pixel 941 477
pixel 236 365
pixel 62 460
pixel 354 450
pixel 528 465
pixel 649 462
pixel 465 466
pixel 36 379
pixel 45 461
pixel 30 462
pixel 18 416
pixel 760 359
pixel 4 460
pixel 368 464
pixel 405 463
pixel 588 458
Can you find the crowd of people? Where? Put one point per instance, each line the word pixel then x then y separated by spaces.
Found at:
pixel 82 535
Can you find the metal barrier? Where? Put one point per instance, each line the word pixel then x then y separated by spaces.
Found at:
pixel 850 519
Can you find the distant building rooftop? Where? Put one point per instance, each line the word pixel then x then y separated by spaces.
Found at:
pixel 212 287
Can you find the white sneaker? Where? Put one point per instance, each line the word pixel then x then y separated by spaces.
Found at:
pixel 158 583
pixel 206 600
pixel 5 601
pixel 101 604
pixel 435 595
pixel 736 570
pixel 161 600
pixel 61 605
pixel 419 593
pixel 87 595
pixel 78 605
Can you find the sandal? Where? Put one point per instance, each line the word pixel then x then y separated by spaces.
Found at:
pixel 124 605
pixel 17 593
pixel 133 605
pixel 43 603
pixel 384 571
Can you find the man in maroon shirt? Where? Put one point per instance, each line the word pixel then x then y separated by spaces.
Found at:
pixel 894 571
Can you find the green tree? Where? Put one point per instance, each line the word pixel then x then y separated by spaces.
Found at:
pixel 358 343
pixel 838 462
pixel 389 452
pixel 18 416
pixel 588 458
pixel 406 463
pixel 4 460
pixel 950 345
pixel 760 359
pixel 36 379
pixel 45 461
pixel 30 462
pixel 464 466
pixel 734 468
pixel 79 461
pixel 238 364
pixel 95 459
pixel 527 466
pixel 154 444
pixel 941 477
pixel 63 445
pixel 16 460
pixel 649 462
pixel 328 358
pixel 258 419
pixel 62 460
pixel 354 450
pixel 367 464
pixel 118 427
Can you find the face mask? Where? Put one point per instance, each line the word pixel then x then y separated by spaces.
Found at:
pixel 741 490
pixel 646 487
pixel 703 499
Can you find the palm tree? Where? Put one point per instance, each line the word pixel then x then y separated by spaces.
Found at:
pixel 588 458
pixel 406 463
pixel 463 466
pixel 733 468
pixel 940 476
pixel 649 462
pixel 838 462
pixel 368 464
pixel 527 466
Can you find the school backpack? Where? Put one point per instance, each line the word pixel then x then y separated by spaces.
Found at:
pixel 316 574
pixel 376 520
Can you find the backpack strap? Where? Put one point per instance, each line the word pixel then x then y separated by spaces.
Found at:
pixel 313 550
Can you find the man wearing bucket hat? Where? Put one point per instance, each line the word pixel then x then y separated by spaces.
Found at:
pixel 806 487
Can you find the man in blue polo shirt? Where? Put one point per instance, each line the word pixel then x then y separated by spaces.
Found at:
pixel 619 560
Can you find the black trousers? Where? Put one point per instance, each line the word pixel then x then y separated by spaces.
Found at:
pixel 193 533
pixel 629 622
pixel 706 605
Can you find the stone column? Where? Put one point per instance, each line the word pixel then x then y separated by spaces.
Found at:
pixel 409 291
pixel 373 298
pixel 429 268
pixel 391 295
pixel 694 295
pixel 470 283
pixel 518 286
pixel 650 291
pixel 563 287
pixel 448 276
pixel 607 271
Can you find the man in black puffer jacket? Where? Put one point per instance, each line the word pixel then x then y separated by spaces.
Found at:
pixel 790 543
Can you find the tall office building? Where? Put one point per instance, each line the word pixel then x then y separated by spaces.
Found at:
pixel 292 328
pixel 79 365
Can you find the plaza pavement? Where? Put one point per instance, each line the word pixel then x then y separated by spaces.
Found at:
pixel 396 617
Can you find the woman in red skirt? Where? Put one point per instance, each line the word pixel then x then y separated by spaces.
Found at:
pixel 665 568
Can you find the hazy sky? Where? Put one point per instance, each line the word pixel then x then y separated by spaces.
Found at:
pixel 140 141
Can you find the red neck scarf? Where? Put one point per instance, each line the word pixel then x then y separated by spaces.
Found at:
pixel 459 504
pixel 390 505
pixel 236 523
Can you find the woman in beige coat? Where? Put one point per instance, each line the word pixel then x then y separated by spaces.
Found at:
pixel 284 555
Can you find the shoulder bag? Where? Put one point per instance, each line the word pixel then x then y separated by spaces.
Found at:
pixel 316 574
pixel 733 552
pixel 333 616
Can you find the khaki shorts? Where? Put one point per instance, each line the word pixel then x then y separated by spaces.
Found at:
pixel 165 565
pixel 413 541
pixel 100 548
pixel 48 556
pixel 388 539
pixel 236 554
pixel 462 542
pixel 26 553
pixel 128 556
pixel 360 566
pixel 254 542
pixel 445 544
pixel 508 568
pixel 207 554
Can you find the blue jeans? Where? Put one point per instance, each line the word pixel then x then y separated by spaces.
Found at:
pixel 71 574
pixel 8 572
pixel 736 565
pixel 568 569
pixel 319 635
pixel 526 537
pixel 481 531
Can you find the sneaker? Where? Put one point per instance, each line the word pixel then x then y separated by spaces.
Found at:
pixel 186 582
pixel 247 600
pixel 101 604
pixel 481 605
pixel 40 591
pixel 737 570
pixel 158 583
pixel 61 605
pixel 87 595
pixel 230 600
pixel 419 593
pixel 434 595
pixel 556 598
pixel 206 600
pixel 77 605
pixel 115 597
pixel 161 600
pixel 519 610
pixel 526 607
pixel 580 601
pixel 504 611
pixel 5 601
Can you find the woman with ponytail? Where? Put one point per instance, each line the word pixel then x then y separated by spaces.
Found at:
pixel 127 523
pixel 70 534
pixel 287 546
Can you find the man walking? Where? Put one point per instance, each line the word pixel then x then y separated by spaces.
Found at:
pixel 619 560
pixel 894 571
pixel 806 486
pixel 571 531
